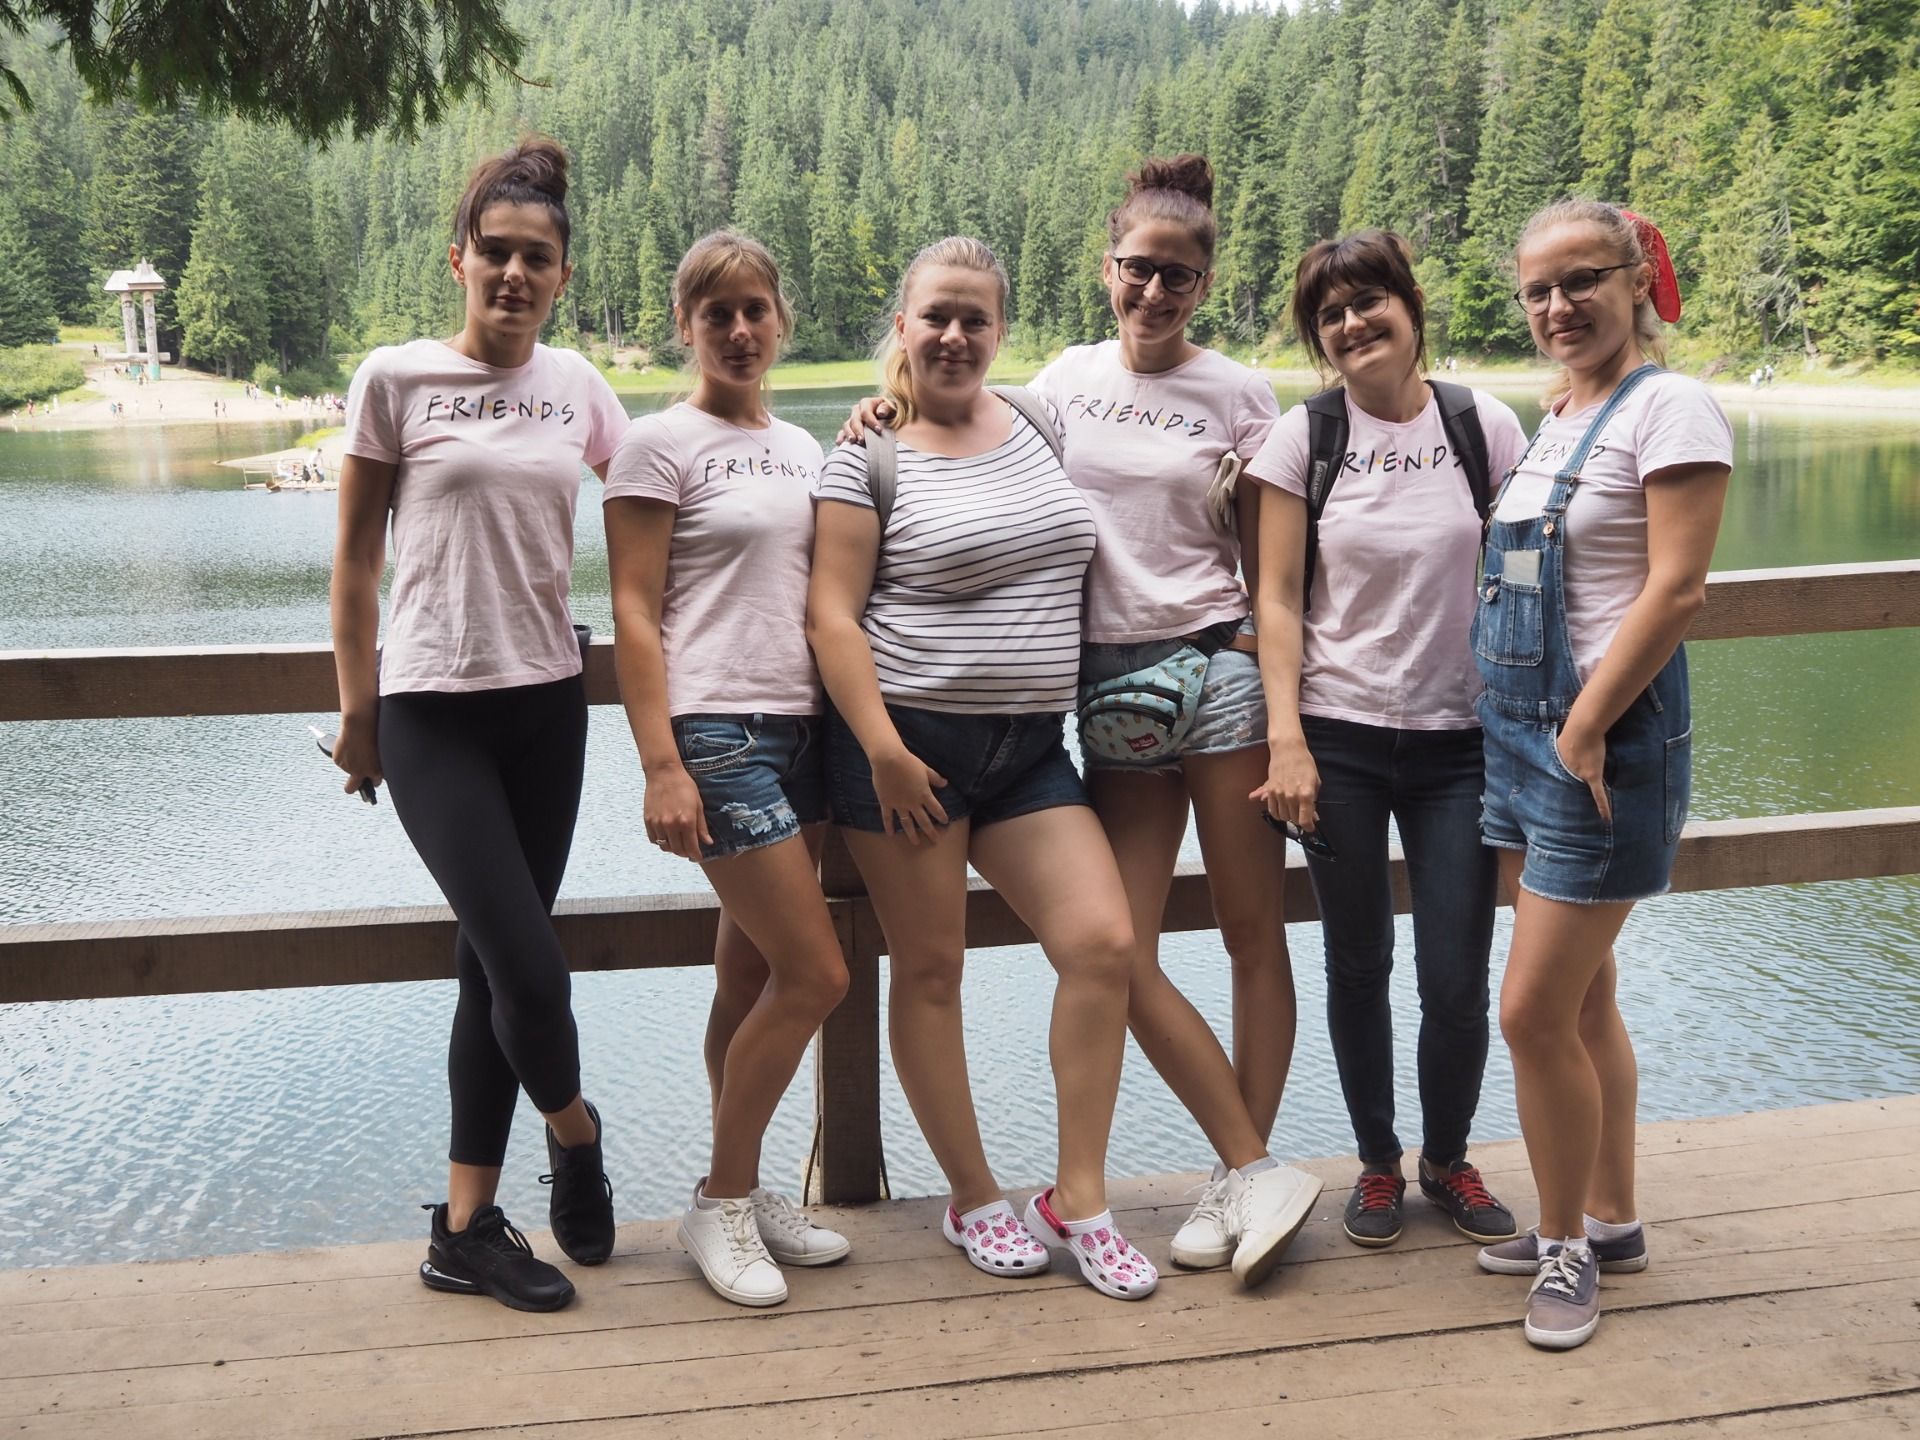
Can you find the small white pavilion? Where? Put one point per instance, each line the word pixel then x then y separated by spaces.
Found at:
pixel 143 280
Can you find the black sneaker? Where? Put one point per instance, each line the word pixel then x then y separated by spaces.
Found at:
pixel 1474 1212
pixel 1374 1211
pixel 490 1257
pixel 581 1206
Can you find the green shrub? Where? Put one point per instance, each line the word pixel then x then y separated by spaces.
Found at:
pixel 33 372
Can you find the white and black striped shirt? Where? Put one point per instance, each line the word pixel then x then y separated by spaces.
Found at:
pixel 976 599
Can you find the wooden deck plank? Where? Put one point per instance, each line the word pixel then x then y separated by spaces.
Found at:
pixel 357 1349
pixel 1699 1150
pixel 888 1344
pixel 1649 1365
pixel 1721 1145
pixel 674 1296
pixel 393 1315
pixel 899 1267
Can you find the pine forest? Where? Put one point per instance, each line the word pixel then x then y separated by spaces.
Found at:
pixel 1777 143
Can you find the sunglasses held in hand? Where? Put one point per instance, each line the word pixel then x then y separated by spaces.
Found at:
pixel 1311 841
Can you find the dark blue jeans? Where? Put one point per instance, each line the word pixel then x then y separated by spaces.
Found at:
pixel 1429 782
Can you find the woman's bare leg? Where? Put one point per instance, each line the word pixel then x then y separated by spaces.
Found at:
pixel 1145 816
pixel 1055 869
pixel 1246 875
pixel 919 893
pixel 1561 958
pixel 774 896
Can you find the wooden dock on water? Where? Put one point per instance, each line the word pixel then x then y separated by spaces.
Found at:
pixel 1783 1300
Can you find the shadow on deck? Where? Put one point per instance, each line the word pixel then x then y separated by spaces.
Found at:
pixel 1783 1299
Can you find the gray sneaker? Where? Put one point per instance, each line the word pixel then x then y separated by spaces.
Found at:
pixel 1563 1307
pixel 1521 1255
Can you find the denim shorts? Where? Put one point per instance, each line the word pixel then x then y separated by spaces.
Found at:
pixel 1233 707
pixel 996 766
pixel 760 777
pixel 1534 803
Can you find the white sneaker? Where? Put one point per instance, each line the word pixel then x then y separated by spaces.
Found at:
pixel 1207 1237
pixel 1271 1207
pixel 726 1245
pixel 790 1237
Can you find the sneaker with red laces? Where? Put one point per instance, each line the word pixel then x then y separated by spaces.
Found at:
pixel 1374 1212
pixel 1475 1213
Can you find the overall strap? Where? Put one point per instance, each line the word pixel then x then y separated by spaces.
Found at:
pixel 1326 458
pixel 1569 474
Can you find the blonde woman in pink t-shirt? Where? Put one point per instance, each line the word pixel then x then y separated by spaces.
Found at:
pixel 709 517
pixel 1370 687
pixel 470 451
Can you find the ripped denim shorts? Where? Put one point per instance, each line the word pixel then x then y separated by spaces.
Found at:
pixel 760 777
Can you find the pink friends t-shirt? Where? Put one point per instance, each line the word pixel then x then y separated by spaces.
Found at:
pixel 489 466
pixel 1144 449
pixel 1385 641
pixel 735 613
pixel 1668 420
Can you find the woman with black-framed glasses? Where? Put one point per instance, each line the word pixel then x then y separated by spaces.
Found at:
pixel 1365 596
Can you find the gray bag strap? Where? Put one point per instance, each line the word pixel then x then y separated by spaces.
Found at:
pixel 1034 410
pixel 883 473
pixel 883 450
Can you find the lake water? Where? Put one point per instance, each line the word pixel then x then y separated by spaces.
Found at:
pixel 200 1124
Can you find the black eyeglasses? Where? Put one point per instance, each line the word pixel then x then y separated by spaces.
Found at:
pixel 1138 270
pixel 1576 285
pixel 1365 305
pixel 1311 841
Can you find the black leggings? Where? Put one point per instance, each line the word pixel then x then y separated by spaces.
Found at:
pixel 487 786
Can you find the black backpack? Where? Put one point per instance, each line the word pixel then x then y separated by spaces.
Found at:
pixel 1327 449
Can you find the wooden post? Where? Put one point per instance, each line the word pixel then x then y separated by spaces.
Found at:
pixel 847 1165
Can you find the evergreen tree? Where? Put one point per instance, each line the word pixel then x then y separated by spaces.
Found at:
pixel 223 297
pixel 653 319
pixel 26 302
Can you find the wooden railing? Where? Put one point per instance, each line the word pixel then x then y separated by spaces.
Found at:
pixel 93 959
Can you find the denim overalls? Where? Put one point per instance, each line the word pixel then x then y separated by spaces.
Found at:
pixel 1521 642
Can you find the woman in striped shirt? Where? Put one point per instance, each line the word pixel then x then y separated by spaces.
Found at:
pixel 945 618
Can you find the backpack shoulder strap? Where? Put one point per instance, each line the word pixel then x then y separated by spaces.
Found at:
pixel 1460 417
pixel 1031 407
pixel 883 473
pixel 1326 456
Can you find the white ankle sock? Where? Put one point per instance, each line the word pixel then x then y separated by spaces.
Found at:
pixel 1219 1170
pixel 1265 1162
pixel 1606 1230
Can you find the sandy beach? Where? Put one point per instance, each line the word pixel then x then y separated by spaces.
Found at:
pixel 179 397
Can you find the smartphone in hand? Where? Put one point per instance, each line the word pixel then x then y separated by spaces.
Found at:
pixel 326 743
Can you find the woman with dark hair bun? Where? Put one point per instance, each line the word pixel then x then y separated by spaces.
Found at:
pixel 474 711
pixel 1365 596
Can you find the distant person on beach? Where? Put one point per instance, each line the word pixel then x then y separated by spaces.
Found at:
pixel 945 617
pixel 1149 420
pixel 1370 685
pixel 1596 564
pixel 709 517
pixel 475 711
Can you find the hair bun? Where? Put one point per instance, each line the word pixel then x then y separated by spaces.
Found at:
pixel 539 163
pixel 1188 174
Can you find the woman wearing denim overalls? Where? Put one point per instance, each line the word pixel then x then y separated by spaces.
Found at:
pixel 1595 566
